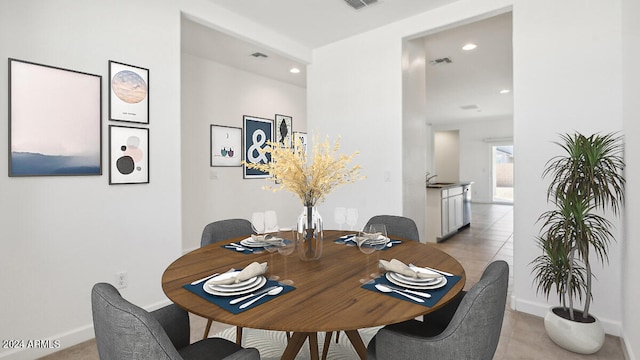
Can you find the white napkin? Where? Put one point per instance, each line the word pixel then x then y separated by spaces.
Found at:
pixel 251 270
pixel 399 267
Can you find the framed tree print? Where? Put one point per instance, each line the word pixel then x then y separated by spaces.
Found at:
pixel 257 132
pixel 55 121
pixel 128 155
pixel 226 145
pixel 284 131
pixel 128 93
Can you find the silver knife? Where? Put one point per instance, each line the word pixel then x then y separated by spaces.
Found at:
pixel 203 279
pixel 432 269
pixel 237 300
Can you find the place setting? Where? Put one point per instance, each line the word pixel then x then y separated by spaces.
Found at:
pixel 255 244
pixel 374 239
pixel 239 290
pixel 420 285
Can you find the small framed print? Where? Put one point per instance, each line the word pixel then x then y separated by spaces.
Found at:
pixel 128 93
pixel 226 145
pixel 284 131
pixel 302 137
pixel 128 155
pixel 257 132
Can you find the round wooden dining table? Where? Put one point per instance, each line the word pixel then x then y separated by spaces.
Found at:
pixel 328 295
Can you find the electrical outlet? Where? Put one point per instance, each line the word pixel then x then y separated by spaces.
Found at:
pixel 122 280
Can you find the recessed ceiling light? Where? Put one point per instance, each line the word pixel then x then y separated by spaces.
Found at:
pixel 505 91
pixel 469 46
pixel 294 70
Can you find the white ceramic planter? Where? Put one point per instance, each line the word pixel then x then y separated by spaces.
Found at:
pixel 582 338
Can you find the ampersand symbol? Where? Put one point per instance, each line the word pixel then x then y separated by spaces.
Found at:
pixel 254 155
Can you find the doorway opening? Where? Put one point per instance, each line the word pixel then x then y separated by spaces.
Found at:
pixel 502 174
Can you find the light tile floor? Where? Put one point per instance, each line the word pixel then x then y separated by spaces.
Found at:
pixel 490 237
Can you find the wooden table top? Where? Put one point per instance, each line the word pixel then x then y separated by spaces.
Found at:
pixel 328 296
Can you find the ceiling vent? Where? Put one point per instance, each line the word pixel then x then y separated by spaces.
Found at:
pixel 469 107
pixel 444 60
pixel 359 4
pixel 259 55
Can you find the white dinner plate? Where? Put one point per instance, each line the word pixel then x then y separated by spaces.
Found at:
pixel 258 285
pixel 391 276
pixel 380 240
pixel 249 242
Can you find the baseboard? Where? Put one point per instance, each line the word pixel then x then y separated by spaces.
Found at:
pixel 540 309
pixel 626 348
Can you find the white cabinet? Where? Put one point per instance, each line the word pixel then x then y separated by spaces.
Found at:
pixel 444 212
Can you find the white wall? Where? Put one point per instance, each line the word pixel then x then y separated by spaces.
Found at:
pixel 217 94
pixel 60 235
pixel 631 114
pixel 417 147
pixel 446 156
pixel 567 76
pixel 560 88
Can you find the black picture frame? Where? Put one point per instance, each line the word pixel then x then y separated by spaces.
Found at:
pixel 128 155
pixel 128 93
pixel 257 132
pixel 55 121
pixel 225 145
pixel 283 129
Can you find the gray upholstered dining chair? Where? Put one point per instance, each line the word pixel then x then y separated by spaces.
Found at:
pixel 125 331
pixel 466 328
pixel 223 230
pixel 400 226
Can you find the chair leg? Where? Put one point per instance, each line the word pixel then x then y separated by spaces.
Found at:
pixel 327 343
pixel 239 335
pixel 337 336
pixel 206 329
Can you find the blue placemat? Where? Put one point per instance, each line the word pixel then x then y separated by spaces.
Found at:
pixel 223 301
pixel 436 294
pixel 348 240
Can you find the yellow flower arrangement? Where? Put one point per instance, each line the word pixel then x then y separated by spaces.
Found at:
pixel 311 182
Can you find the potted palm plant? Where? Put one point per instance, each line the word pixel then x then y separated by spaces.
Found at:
pixel 586 182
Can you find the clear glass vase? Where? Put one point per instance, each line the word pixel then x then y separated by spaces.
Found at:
pixel 310 234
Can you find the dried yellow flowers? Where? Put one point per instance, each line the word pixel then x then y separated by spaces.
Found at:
pixel 311 182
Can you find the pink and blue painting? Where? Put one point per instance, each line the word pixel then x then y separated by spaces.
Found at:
pixel 54 121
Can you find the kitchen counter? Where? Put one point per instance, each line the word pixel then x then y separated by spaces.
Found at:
pixel 446 185
pixel 448 209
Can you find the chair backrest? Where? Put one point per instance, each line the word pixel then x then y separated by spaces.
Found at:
pixel 125 331
pixel 476 325
pixel 225 229
pixel 397 226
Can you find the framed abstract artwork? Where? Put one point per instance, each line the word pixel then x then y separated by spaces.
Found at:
pixel 284 130
pixel 55 121
pixel 302 136
pixel 257 132
pixel 226 145
pixel 128 93
pixel 128 155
